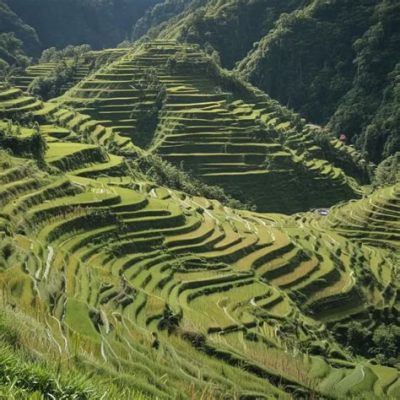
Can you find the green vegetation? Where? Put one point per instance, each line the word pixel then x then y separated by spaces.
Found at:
pixel 12 56
pixel 311 48
pixel 41 374
pixel 142 288
pixel 175 101
pixel 31 145
pixel 74 52
pixel 388 171
pixel 341 61
pixel 169 231
pixel 165 174
pixel 59 70
pixel 10 22
pixel 334 62
pixel 52 85
pixel 229 28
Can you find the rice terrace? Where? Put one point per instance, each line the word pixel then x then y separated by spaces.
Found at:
pixel 199 199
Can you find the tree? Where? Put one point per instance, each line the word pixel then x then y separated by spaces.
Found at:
pixel 38 146
pixel 388 171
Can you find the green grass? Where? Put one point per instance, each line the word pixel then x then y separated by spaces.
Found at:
pixel 26 373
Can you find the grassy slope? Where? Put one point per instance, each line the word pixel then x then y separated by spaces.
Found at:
pixel 31 367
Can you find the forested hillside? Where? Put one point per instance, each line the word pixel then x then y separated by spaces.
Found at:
pixel 229 27
pixel 99 23
pixel 335 62
pixel 16 39
pixel 10 22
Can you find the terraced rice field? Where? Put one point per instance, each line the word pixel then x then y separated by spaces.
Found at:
pixel 373 220
pixel 85 66
pixel 58 123
pixel 226 134
pixel 240 300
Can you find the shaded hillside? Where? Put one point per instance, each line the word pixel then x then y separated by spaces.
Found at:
pixel 228 27
pixel 339 59
pixel 10 22
pixel 120 271
pixel 16 40
pixel 306 61
pixel 162 13
pixel 173 100
pixel 371 109
pixel 99 23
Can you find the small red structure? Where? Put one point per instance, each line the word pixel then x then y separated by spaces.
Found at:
pixel 343 138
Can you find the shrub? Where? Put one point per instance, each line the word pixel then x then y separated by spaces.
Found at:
pixel 54 55
pixel 34 145
pixel 388 171
pixel 52 85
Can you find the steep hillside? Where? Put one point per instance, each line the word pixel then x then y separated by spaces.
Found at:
pixel 179 296
pixel 10 22
pixel 371 109
pixel 228 27
pixel 318 57
pixel 16 39
pixel 336 59
pixel 98 23
pixel 55 123
pixel 171 231
pixel 174 101
pixel 306 61
pixel 162 13
pixel 58 71
pixel 373 221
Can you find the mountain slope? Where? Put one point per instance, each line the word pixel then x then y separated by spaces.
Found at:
pixel 228 27
pixel 175 101
pixel 370 110
pixel 170 232
pixel 122 270
pixel 334 56
pixel 306 61
pixel 57 71
pixel 98 23
pixel 11 22
pixel 318 57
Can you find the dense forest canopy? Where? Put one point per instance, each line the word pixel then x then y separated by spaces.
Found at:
pixel 100 23
pixel 10 22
